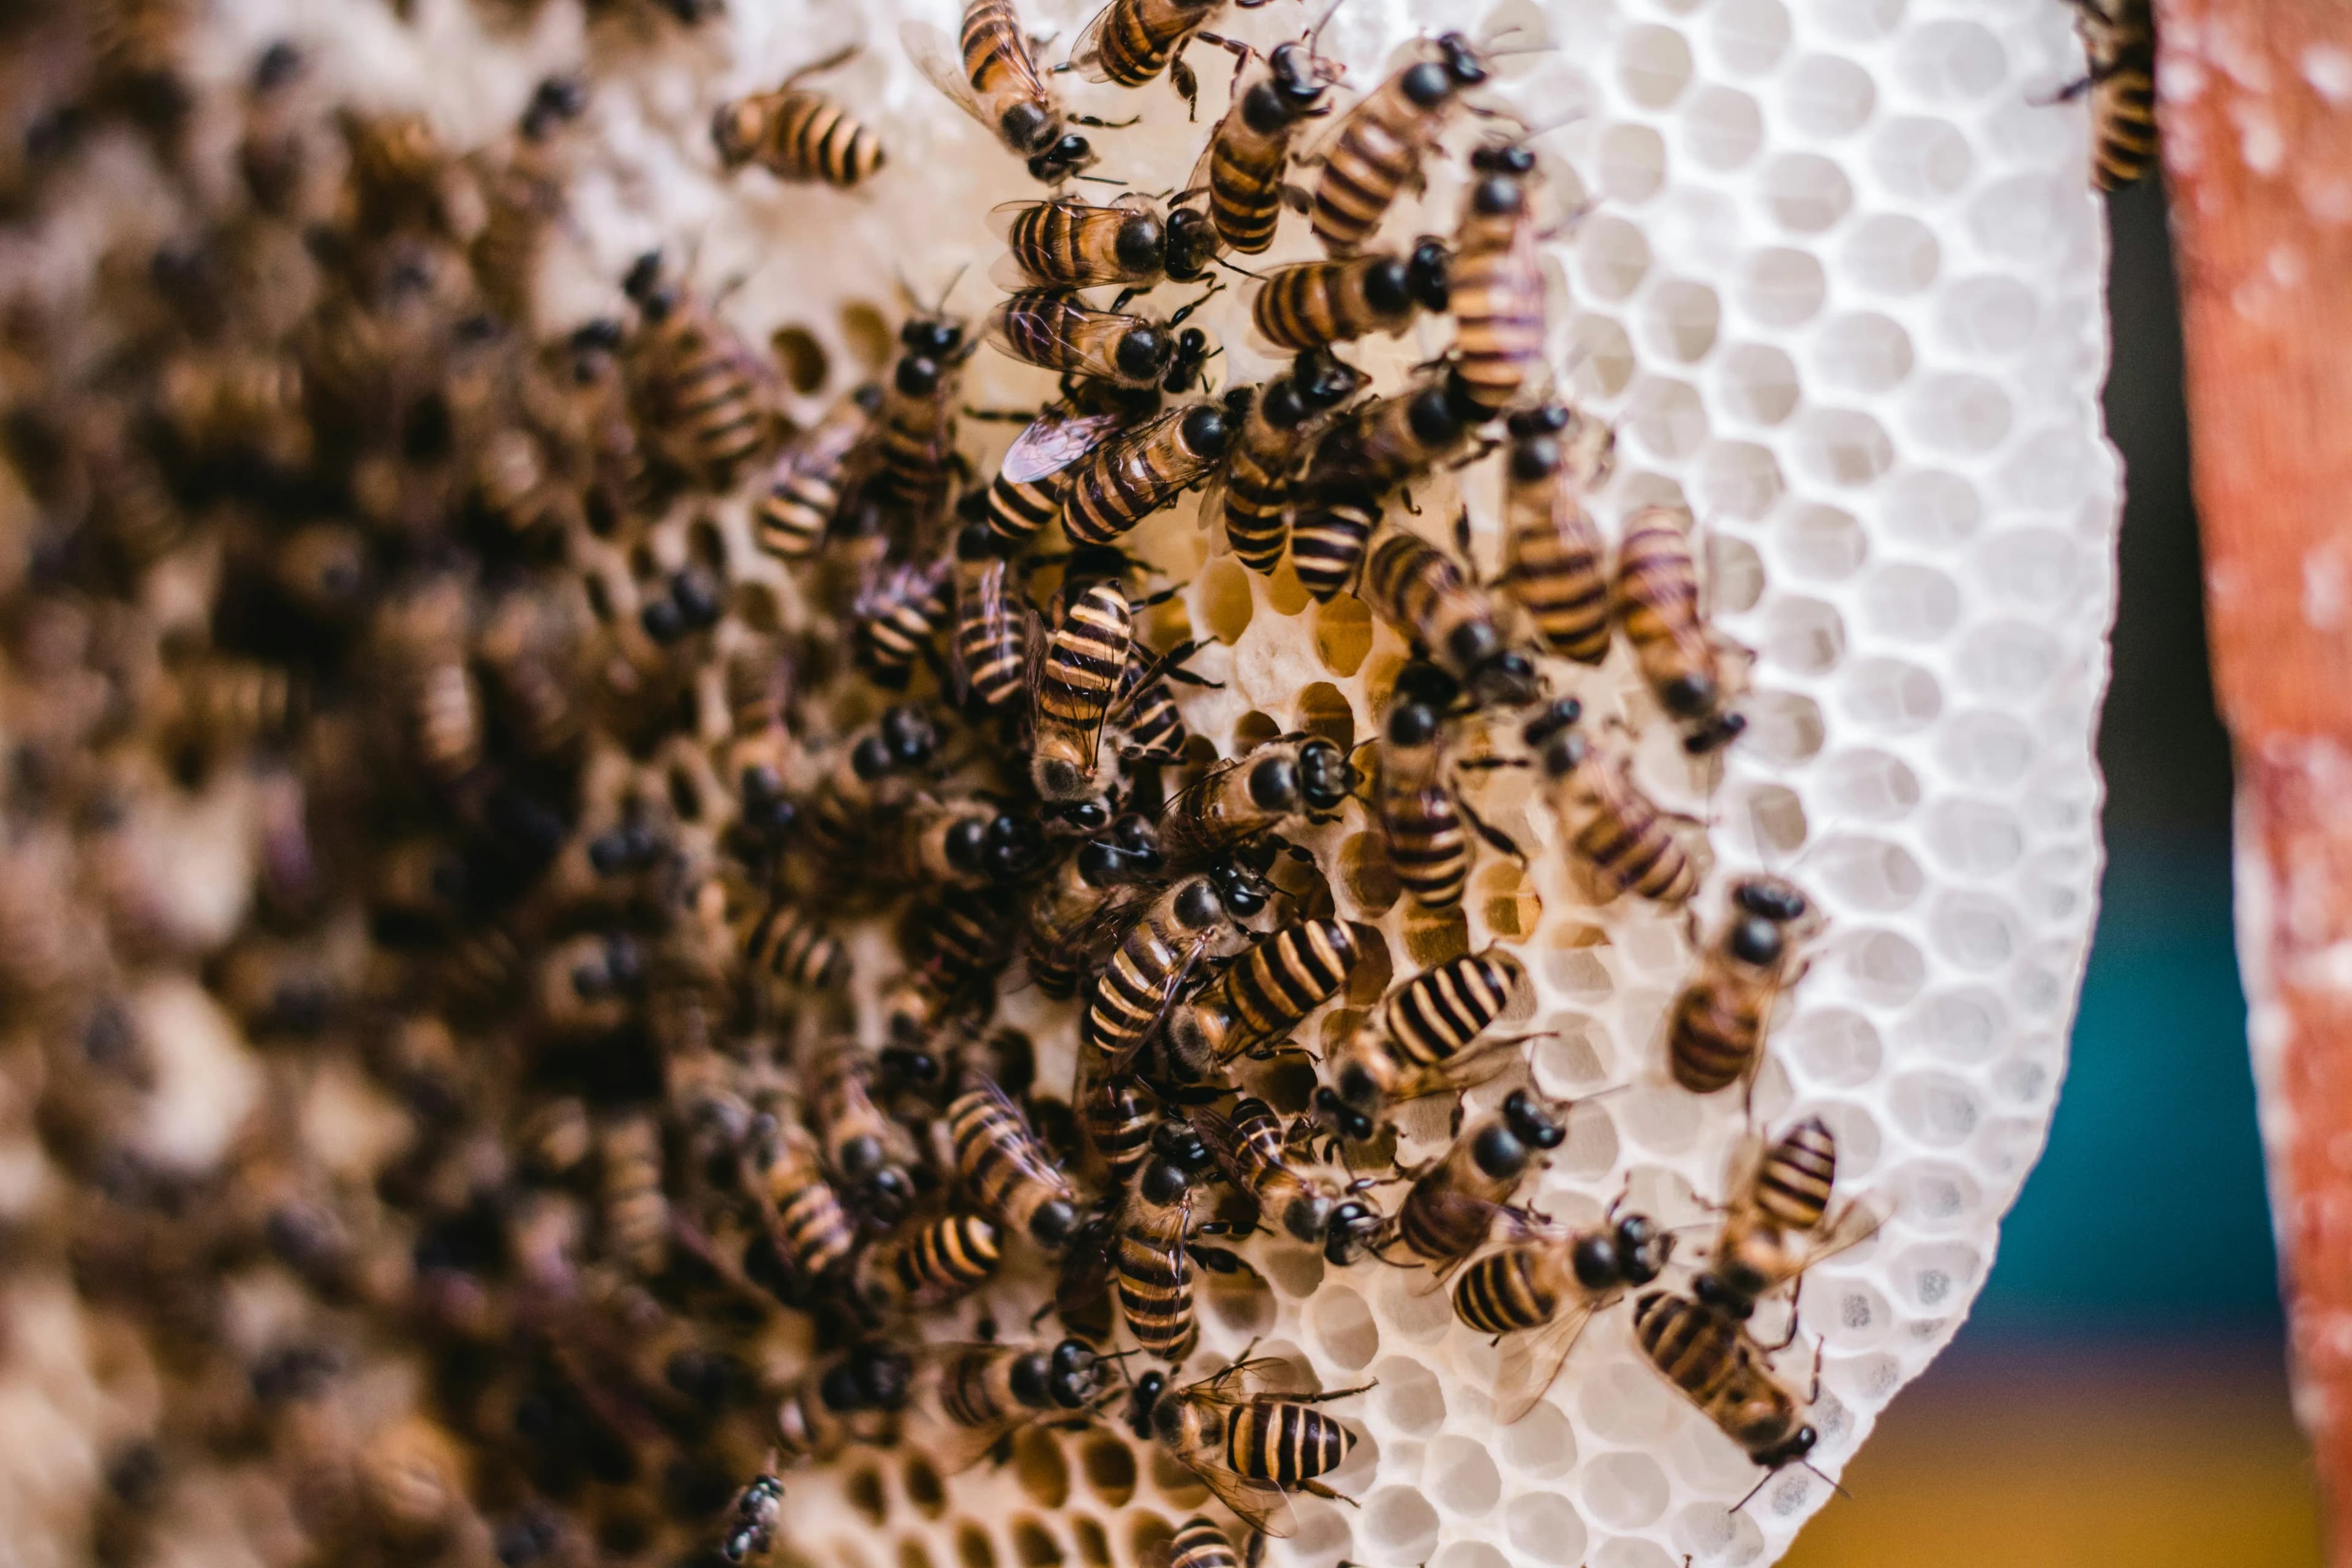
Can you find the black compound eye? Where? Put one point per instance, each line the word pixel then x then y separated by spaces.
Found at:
pixel 1198 905
pixel 966 844
pixel 1757 941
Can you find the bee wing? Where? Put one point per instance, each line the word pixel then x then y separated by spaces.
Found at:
pixel 1739 1170
pixel 1260 1505
pixel 1052 442
pixel 1170 990
pixel 1532 1360
pixel 1450 1209
pixel 939 58
pixel 1856 1224
pixel 1224 1145
pixel 955 1447
pixel 1085 55
pixel 1025 1150
pixel 1082 1289
pixel 1033 674
pixel 1199 181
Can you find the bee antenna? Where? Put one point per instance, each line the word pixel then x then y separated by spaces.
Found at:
pixel 1098 179
pixel 1831 1483
pixel 1315 34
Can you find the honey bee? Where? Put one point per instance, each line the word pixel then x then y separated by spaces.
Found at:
pixel 589 985
pixel 1066 244
pixel 869 773
pixel 1007 1170
pixel 796 135
pixel 975 1396
pixel 1498 283
pixel 804 491
pixel 867 1153
pixel 1119 1116
pixel 1314 304
pixel 1249 150
pixel 1621 841
pixel 1247 1443
pixel 1284 421
pixel 1254 1149
pixel 811 1229
pixel 989 655
pixel 1259 998
pixel 1555 564
pixel 915 428
pixel 637 1210
pixel 1538 1292
pixel 899 616
pixel 1328 535
pixel 1026 493
pixel 1453 1206
pixel 1777 1221
pixel 1704 1352
pixel 1425 1039
pixel 964 844
pixel 2119 44
pixel 1151 727
pixel 855 1397
pixel 1081 897
pixel 1131 41
pixel 1424 594
pixel 928 1264
pixel 1654 600
pixel 1135 473
pixel 1074 679
pixel 1421 815
pixel 1387 441
pixel 789 943
pixel 1193 919
pixel 707 397
pixel 525 199
pixel 1288 779
pixel 1716 1028
pixel 958 940
pixel 1150 1259
pixel 995 79
pixel 1376 149
pixel 1049 328
pixel 1199 1544
pixel 748 1534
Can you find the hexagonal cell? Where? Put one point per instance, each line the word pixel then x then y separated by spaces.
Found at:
pixel 1682 318
pixel 924 1488
pixel 1409 1397
pixel 1962 414
pixel 1108 1466
pixel 1666 416
pixel 1093 1540
pixel 1368 876
pixel 1632 164
pixel 1844 446
pixel 1887 253
pixel 974 1549
pixel 1806 636
pixel 1148 1536
pixel 1343 635
pixel 1602 355
pixel 869 334
pixel 1611 257
pixel 1544 1527
pixel 1034 1545
pixel 1992 315
pixel 1508 901
pixel 1808 193
pixel 1748 36
pixel 1921 160
pixel 1827 96
pixel 1866 784
pixel 1434 936
pixel 1951 62
pixel 1910 602
pixel 1781 287
pixel 1324 709
pixel 1741 479
pixel 1254 729
pixel 1822 543
pixel 1398 1521
pixel 1653 65
pixel 1861 352
pixel 1283 592
pixel 1041 1467
pixel 805 363
pixel 1723 128
pixel 1757 381
pixel 1224 599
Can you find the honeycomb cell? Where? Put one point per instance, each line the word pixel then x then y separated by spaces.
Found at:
pixel 1843 446
pixel 1602 355
pixel 1975 838
pixel 1508 904
pixel 1324 710
pixel 1757 381
pixel 1462 1477
pixel 913 1553
pixel 1611 257
pixel 1740 479
pixel 1408 1398
pixel 2009 662
pixel 1780 288
pixel 1224 600
pixel 1240 1301
pixel 1544 1527
pixel 1682 318
pixel 1342 1327
pixel 974 1549
pixel 1827 96
pixel 1903 602
pixel 1776 815
pixel 1148 1536
pixel 1666 416
pixel 1863 352
pixel 1822 543
pixel 1343 635
pixel 1254 729
pixel 1869 874
pixel 1975 932
pixel 1936 1110
pixel 1892 696
pixel 1883 966
pixel 1540 1444
pixel 1399 1521
pixel 1936 1278
pixel 1623 1402
pixel 1632 164
pixel 806 362
pixel 1889 254
pixel 1434 936
pixel 1963 414
pixel 1961 1026
pixel 1283 596
pixel 1836 1047
pixel 1987 317
pixel 868 333
pixel 1784 727
pixel 1470 1554
pixel 1660 1118
pixel 1093 1540
pixel 1653 65
pixel 1723 128
pixel 1806 636
pixel 1108 1466
pixel 1807 194
pixel 1951 62
pixel 923 1487
pixel 1748 36
pixel 1034 1545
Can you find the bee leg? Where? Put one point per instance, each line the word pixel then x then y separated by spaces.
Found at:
pixel 1217 1260
pixel 1317 1489
pixel 1493 836
pixel 1796 1321
pixel 1411 510
pixel 1099 123
pixel 1187 85
pixel 840 56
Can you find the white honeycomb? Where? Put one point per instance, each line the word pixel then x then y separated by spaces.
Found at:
pixel 1835 270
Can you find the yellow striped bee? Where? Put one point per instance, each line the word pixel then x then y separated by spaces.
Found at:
pixel 1452 1207
pixel 1031 482
pixel 2119 43
pixel 424 637
pixel 1138 472
pixel 1247 1443
pixel 1285 420
pixel 1200 1542
pixel 1654 600
pixel 975 1395
pixel 1777 1221
pixel 748 1534
pixel 1198 917
pixel 1716 1026
pixel 1498 283
pixel 1538 1292
pixel 1619 838
pixel 1421 816
pixel 637 1210
pixel 993 77
pixel 1288 779
pixel 707 397
pixel 1067 244
pixel 869 773
pixel 1427 597
pixel 913 444
pixel 928 1264
pixel 1151 1258
pixel 1425 1039
pixel 1555 564
pixel 797 135
pixel 1131 41
pixel 900 614
pixel 1314 304
pixel 856 1398
pixel 869 1153
pixel 1256 1151
pixel 1007 1170
pixel 1376 150
pixel 808 1224
pixel 804 491
pixel 787 942
pixel 1075 911
pixel 1258 999
pixel 989 655
pixel 1704 1352
pixel 1074 679
pixel 1119 1116
pixel 1052 330
pixel 1249 150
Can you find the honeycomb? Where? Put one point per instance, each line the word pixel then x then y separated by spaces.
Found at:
pixel 1833 271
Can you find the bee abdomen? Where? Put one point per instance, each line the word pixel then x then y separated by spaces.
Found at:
pixel 1154 1286
pixel 790 520
pixel 794 948
pixel 1500 1293
pixel 1430 849
pixel 1360 179
pixel 1015 512
pixel 817 138
pixel 2124 110
pixel 816 1231
pixel 1244 196
pixel 1256 524
pixel 1793 1187
pixel 1441 1010
pixel 1632 850
pixel 1283 1442
pixel 1129 993
pixel 945 1258
pixel 1087 656
pixel 1326 545
pixel 1713 1043
pixel 1690 1344
pixel 1558 579
pixel 1201 1545
pixel 1289 975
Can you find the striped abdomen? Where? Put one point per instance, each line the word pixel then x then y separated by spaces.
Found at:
pixel 1419 591
pixel 1440 1011
pixel 1497 306
pixel 815 1231
pixel 1428 846
pixel 796 948
pixel 1087 660
pixel 989 643
pixel 1152 1274
pixel 2122 127
pixel 1154 728
pixel 1515 1288
pixel 1326 545
pixel 1312 303
pixel 1281 979
pixel 708 400
pixel 999 1159
pixel 1132 990
pixel 942 1261
pixel 1127 479
pixel 1285 1443
pixel 1016 511
pixel 1555 567
pixel 1655 598
pixel 1139 37
pixel 903 628
pixel 1792 1187
pixel 1629 846
pixel 1697 1348
pixel 1201 1545
pixel 915 446
pixel 1715 1034
pixel 800 136
pixel 1246 170
pixel 1377 151
pixel 1120 1116
pixel 1258 492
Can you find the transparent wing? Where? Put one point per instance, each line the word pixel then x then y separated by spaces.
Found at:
pixel 1085 55
pixel 1854 1224
pixel 1171 989
pixel 1470 1212
pixel 938 57
pixel 1532 1360
pixel 1225 1147
pixel 1052 442
pixel 1260 1505
pixel 953 1446
pixel 1739 1170
pixel 1024 1151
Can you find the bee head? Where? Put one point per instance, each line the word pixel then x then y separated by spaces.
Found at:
pixel 1074 1374
pixel 1429 274
pixel 1757 941
pixel 1715 734
pixel 1192 244
pixel 1322 380
pixel 1307 1217
pixel 1325 776
pixel 1143 351
pixel 1770 897
pixel 1790 1450
pixel 642 275
pixel 1340 1111
pixel 1051 1226
pixel 1353 1227
pixel 1063 158
pixel 1642 1248
pixel 1688 695
pixel 1143 1407
pixel 1552 723
pixel 1460 56
pixel 909 735
pixel 1531 1122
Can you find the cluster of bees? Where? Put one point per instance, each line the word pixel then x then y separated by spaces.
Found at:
pixel 565 825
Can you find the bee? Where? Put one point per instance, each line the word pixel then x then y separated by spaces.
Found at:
pixel 1703 1352
pixel 995 79
pixel 1498 283
pixel 1424 594
pixel 1074 680
pixel 1554 561
pixel 1259 998
pixel 798 136
pixel 1199 1544
pixel 589 985
pixel 1066 244
pixel 1376 150
pixel 1424 1040
pixel 1453 1206
pixel 1282 425
pixel 1314 304
pixel 789 943
pixel 975 1396
pixel 2119 43
pixel 1026 493
pixel 748 1534
pixel 810 1227
pixel 525 199
pixel 218 700
pixel 1151 1262
pixel 1716 1028
pixel 964 844
pixel 1138 472
pixel 1248 1444
pixel 423 636
pixel 1049 328
pixel 915 428
pixel 1422 818
pixel 866 775
pixel 1249 150
pixel 1151 727
pixel 707 397
pixel 1191 921
pixel 1254 1149
pixel 1243 798
pixel 1387 441
pixel 1539 1293
pixel 989 654
pixel 958 940
pixel 804 491
pixel 1131 41
pixel 1082 897
pixel 866 1150
pixel 928 1264
pixel 1007 1170
pixel 1777 1220
pixel 899 616
pixel 1328 536
pixel 1621 838
pixel 1119 1116
pixel 1654 600
pixel 856 1398
pixel 637 1210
